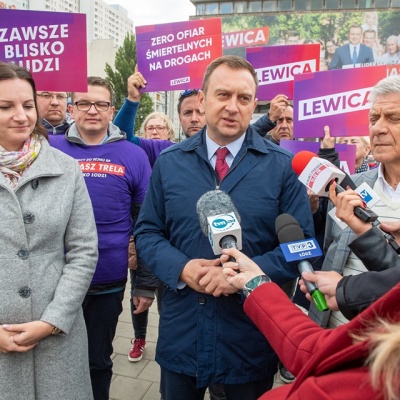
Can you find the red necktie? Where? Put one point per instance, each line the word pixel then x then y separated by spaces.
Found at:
pixel 221 166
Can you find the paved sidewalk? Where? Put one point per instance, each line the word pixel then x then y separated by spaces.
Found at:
pixel 141 380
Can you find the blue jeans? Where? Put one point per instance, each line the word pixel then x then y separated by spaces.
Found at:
pixel 101 314
pixel 176 386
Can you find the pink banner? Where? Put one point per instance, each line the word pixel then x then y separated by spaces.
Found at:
pixel 248 37
pixel 276 67
pixel 175 56
pixel 52 45
pixel 337 98
pixel 347 153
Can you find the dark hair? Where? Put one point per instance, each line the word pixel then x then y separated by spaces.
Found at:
pixel 12 71
pixel 184 95
pixel 233 62
pixel 355 26
pixel 97 81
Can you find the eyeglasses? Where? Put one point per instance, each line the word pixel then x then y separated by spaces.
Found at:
pixel 49 96
pixel 188 92
pixel 158 128
pixel 98 105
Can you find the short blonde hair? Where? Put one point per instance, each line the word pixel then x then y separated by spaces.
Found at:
pixel 164 117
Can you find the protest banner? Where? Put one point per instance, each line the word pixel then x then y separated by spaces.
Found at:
pixel 52 45
pixel 174 56
pixel 337 98
pixel 248 37
pixel 276 67
pixel 347 153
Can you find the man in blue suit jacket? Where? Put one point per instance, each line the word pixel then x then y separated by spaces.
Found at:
pixel 352 53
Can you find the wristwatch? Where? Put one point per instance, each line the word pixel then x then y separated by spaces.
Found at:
pixel 255 283
pixel 56 331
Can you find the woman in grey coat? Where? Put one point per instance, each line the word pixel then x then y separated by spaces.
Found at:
pixel 48 253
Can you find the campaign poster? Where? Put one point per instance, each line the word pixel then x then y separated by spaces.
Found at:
pixel 337 98
pixel 276 67
pixel 174 56
pixel 347 153
pixel 247 37
pixel 52 45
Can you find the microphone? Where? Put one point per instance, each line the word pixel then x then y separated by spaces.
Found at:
pixel 317 174
pixel 219 221
pixel 296 248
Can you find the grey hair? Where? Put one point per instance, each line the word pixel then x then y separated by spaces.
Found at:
pixel 389 85
pixel 392 38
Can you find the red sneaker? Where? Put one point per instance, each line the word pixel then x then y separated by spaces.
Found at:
pixel 137 350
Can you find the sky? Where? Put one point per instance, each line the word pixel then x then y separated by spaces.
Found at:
pixel 149 12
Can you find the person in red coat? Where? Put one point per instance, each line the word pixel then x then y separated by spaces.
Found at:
pixel 358 360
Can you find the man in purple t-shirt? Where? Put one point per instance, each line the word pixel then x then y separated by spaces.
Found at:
pixel 117 174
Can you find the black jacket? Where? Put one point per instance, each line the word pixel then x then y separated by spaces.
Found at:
pixel 355 293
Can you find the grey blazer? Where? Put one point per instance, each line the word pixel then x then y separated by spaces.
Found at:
pixel 336 246
pixel 48 254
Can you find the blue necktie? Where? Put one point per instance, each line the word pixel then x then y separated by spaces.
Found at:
pixel 354 58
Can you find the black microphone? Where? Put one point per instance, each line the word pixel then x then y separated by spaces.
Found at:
pixel 219 221
pixel 288 231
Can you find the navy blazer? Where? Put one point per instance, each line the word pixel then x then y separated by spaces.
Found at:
pixel 342 56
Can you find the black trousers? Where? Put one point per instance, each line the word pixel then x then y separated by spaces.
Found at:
pixel 183 387
pixel 101 314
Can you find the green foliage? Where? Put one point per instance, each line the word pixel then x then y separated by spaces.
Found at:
pixel 124 66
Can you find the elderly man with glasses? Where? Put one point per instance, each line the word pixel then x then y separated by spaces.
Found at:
pixel 116 173
pixel 52 107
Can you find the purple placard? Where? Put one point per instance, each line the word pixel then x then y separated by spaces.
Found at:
pixel 276 67
pixel 52 45
pixel 337 98
pixel 347 153
pixel 175 56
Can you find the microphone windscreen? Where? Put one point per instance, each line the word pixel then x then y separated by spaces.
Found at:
pixel 301 159
pixel 214 202
pixel 288 229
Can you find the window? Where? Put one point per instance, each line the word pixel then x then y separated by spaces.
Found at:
pixel 300 5
pixel 332 4
pixel 395 3
pixel 270 6
pixel 364 3
pixel 240 7
pixel 226 8
pixel 381 3
pixel 316 4
pixel 211 8
pixel 200 9
pixel 255 6
pixel 285 5
pixel 348 3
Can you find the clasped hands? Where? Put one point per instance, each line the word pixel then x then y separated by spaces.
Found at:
pixel 206 276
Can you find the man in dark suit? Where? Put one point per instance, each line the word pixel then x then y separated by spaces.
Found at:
pixel 353 53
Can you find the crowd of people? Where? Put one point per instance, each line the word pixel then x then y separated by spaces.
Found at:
pixel 66 258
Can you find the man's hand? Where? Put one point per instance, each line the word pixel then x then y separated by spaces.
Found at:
pixel 392 227
pixel 327 142
pixel 278 105
pixel 194 270
pixel 135 82
pixel 314 201
pixel 327 283
pixel 215 283
pixel 142 303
